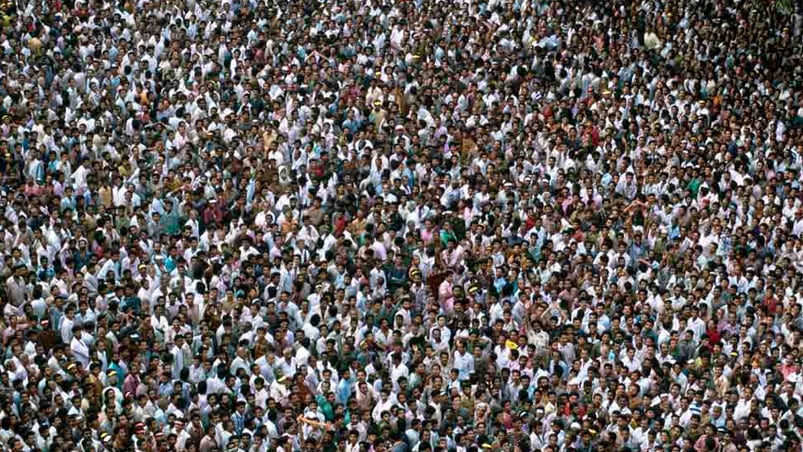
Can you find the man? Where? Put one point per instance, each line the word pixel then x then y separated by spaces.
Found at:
pixel 208 442
pixel 67 323
pixel 79 348
pixel 279 391
pixel 131 382
pixel 238 418
pixel 16 286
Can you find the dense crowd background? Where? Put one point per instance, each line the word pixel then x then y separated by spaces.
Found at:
pixel 401 226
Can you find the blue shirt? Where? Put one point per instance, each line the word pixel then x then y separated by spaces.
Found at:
pixel 239 422
pixel 166 389
pixel 343 391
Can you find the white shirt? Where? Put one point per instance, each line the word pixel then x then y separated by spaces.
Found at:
pixel 464 364
pixel 80 351
pixel 66 330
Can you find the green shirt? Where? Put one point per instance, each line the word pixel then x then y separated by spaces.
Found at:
pixel 694 186
pixel 326 408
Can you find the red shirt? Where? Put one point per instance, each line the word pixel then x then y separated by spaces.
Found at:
pixel 713 335
pixel 340 225
pixel 771 303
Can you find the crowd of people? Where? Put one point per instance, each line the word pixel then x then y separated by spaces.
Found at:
pixel 407 226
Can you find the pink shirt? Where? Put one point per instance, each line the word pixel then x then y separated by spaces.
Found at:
pixel 445 296
pixel 426 236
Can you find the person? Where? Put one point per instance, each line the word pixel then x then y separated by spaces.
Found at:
pixel 208 442
pixel 411 225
